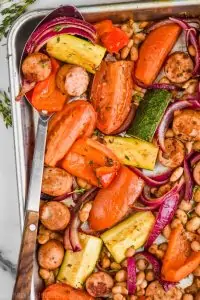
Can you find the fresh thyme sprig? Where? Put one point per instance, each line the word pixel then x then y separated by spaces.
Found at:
pixel 11 13
pixel 5 109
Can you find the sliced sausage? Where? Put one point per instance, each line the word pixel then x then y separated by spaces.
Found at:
pixel 155 291
pixel 174 155
pixel 186 125
pixel 36 67
pixel 99 284
pixel 54 215
pixel 196 173
pixel 50 255
pixel 72 80
pixel 56 181
pixel 179 67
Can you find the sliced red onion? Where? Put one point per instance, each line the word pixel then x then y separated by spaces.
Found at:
pixel 74 234
pixel 188 181
pixel 163 218
pixel 67 243
pixel 162 86
pixel 156 202
pixel 156 265
pixel 127 122
pixel 88 196
pixel 151 182
pixel 75 196
pixel 143 208
pixel 195 159
pixel 192 38
pixel 159 173
pixel 131 275
pixel 63 197
pixel 70 31
pixel 167 119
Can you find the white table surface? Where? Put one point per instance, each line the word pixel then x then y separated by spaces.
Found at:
pixel 9 217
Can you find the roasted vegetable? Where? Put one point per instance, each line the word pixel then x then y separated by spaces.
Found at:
pixel 149 114
pixel 132 151
pixel 111 94
pixel 74 50
pixel 179 260
pixel 60 291
pixel 112 203
pixel 133 231
pixel 154 51
pixel 92 161
pixel 77 266
pixel 77 119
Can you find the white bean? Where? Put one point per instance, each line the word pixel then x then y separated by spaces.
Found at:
pixel 182 216
pixel 177 173
pixel 193 224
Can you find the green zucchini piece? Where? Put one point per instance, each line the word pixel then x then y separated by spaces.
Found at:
pixel 77 266
pixel 132 151
pixel 74 50
pixel 133 231
pixel 149 114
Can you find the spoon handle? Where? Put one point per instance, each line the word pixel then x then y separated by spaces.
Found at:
pixel 22 288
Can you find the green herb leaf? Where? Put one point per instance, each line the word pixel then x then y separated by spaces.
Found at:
pixel 79 191
pixel 5 109
pixel 11 13
pixel 126 156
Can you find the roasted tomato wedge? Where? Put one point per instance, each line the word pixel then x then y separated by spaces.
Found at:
pixel 76 120
pixel 112 203
pixel 111 94
pixel 91 161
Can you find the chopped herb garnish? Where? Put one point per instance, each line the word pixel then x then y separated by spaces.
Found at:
pixel 58 39
pixel 109 162
pixel 126 156
pixel 58 28
pixel 79 191
pixel 5 109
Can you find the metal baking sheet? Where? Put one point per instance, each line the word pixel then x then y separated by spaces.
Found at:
pixel 24 118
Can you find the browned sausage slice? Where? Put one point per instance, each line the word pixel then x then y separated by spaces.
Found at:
pixel 56 181
pixel 36 67
pixel 50 255
pixel 72 80
pixel 174 155
pixel 196 173
pixel 54 215
pixel 179 67
pixel 99 284
pixel 186 125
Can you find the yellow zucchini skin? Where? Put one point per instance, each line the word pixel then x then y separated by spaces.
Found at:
pixel 132 151
pixel 77 266
pixel 133 231
pixel 73 50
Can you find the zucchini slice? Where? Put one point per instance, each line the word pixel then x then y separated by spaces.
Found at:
pixel 149 114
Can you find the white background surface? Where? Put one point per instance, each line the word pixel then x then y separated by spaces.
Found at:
pixel 9 218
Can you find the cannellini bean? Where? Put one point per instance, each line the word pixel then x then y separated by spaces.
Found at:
pixel 143 24
pixel 134 53
pixel 175 223
pixel 85 211
pixel 140 36
pixel 119 290
pixel 141 292
pixel 124 263
pixel 188 297
pixel 118 297
pixel 197 209
pixel 105 262
pixel 149 275
pixel 196 196
pixel 182 216
pixel 153 249
pixel 177 173
pixel 191 50
pixel 140 277
pixel 195 246
pixel 185 205
pixel 83 184
pixel 44 273
pixel 115 266
pixel 125 52
pixel 169 133
pixel 164 80
pixel 50 280
pixel 159 254
pixel 130 43
pixel 193 224
pixel 42 238
pixel 124 284
pixel 141 264
pixel 144 284
pixel 166 232
pixel 163 246
pixel 190 86
pixel 121 276
pixel 130 252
